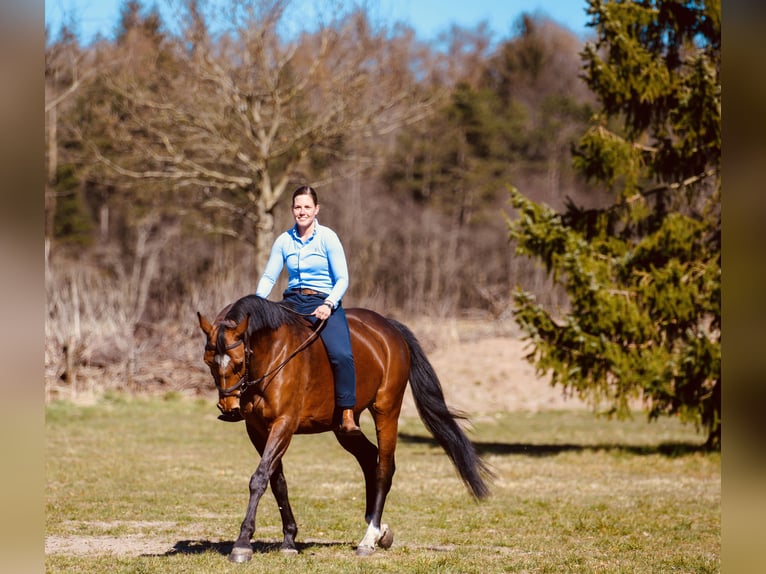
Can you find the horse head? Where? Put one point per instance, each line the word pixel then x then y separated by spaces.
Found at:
pixel 227 355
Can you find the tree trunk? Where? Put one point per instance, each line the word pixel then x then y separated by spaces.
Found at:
pixel 50 190
pixel 264 236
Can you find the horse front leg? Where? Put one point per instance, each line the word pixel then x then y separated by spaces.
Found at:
pixel 242 550
pixel 271 458
pixel 279 489
pixel 289 526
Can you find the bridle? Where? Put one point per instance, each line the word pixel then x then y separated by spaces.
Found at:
pixel 244 381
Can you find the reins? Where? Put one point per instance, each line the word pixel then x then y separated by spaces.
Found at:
pixel 243 384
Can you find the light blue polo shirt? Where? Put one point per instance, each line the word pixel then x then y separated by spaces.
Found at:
pixel 319 263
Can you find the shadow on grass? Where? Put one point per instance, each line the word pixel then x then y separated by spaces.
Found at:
pixel 224 548
pixel 669 449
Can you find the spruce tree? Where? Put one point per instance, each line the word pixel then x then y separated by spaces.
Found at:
pixel 642 274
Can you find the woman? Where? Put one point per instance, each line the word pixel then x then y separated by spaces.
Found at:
pixel 317 281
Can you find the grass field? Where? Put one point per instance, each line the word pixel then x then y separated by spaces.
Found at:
pixel 159 485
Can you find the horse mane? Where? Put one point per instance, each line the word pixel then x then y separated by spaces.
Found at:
pixel 262 315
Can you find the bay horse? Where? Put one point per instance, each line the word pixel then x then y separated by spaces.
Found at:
pixel 269 362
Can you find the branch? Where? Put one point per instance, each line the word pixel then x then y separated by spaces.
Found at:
pixel 680 184
pixel 675 186
pixel 68 92
pixel 222 180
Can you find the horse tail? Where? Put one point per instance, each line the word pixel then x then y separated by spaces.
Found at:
pixel 440 420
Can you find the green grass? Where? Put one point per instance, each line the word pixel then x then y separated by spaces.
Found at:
pixel 168 482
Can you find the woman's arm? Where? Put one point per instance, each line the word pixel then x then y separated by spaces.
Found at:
pixel 336 258
pixel 273 269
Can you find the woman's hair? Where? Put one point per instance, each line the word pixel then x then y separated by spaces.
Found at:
pixel 306 190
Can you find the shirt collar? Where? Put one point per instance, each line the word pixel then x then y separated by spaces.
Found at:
pixel 294 231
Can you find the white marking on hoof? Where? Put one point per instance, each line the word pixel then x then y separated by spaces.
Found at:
pixel 371 537
pixel 239 555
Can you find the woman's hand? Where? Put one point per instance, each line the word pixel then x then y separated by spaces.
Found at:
pixel 322 312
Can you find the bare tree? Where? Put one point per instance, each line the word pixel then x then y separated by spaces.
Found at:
pixel 239 116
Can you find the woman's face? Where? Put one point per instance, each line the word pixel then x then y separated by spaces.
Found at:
pixel 304 210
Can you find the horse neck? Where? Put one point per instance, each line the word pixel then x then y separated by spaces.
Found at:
pixel 270 346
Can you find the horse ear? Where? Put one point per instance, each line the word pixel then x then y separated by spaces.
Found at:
pixel 204 324
pixel 241 327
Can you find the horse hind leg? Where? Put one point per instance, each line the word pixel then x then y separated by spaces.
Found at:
pixel 366 454
pixel 381 536
pixel 381 472
pixel 378 533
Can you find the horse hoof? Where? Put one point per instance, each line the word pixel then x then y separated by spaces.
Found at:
pixel 387 539
pixel 365 551
pixel 239 555
pixel 288 551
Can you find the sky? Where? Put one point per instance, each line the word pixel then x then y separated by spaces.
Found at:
pixel 427 17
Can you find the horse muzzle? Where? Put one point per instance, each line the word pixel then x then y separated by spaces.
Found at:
pixel 229 407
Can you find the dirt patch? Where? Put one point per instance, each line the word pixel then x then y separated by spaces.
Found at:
pixel 490 374
pixel 139 537
pixel 125 545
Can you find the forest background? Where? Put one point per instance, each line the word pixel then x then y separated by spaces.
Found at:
pixel 410 147
pixel 171 158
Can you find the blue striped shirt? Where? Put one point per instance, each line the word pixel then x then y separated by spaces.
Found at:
pixel 319 263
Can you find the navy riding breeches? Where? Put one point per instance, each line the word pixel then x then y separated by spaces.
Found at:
pixel 337 339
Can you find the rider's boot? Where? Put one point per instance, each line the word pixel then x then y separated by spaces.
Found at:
pixel 348 425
